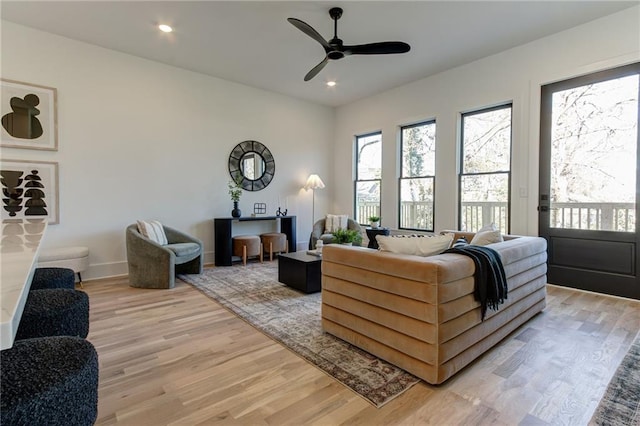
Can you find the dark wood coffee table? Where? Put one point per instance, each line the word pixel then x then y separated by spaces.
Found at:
pixel 301 271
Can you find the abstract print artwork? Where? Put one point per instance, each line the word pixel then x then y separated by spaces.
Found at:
pixel 29 190
pixel 28 116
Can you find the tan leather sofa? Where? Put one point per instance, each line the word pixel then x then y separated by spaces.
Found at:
pixel 419 313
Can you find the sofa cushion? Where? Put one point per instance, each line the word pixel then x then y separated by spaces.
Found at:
pixel 333 222
pixel 460 242
pixel 488 234
pixel 326 238
pixel 184 249
pixel 416 245
pixel 153 230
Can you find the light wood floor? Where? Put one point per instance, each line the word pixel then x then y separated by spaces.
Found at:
pixel 176 357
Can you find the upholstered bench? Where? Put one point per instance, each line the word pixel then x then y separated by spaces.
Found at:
pixel 247 245
pixel 274 242
pixel 49 381
pixel 74 258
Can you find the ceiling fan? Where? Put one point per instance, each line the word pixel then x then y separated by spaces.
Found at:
pixel 335 49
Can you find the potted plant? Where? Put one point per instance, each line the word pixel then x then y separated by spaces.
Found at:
pixel 374 221
pixel 347 236
pixel 235 191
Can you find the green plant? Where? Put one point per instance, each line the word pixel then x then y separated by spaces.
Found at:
pixel 235 191
pixel 344 236
pixel 374 218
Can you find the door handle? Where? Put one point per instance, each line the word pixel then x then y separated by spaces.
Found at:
pixel 543 208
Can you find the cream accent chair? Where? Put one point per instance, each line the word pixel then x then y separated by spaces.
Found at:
pixel 318 232
pixel 152 265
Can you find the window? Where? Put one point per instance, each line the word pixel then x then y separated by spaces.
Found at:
pixel 485 169
pixel 417 176
pixel 592 130
pixel 368 176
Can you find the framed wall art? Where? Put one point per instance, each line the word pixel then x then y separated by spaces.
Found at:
pixel 29 116
pixel 29 190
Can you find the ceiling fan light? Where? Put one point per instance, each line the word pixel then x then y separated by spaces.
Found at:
pixel 331 83
pixel 165 28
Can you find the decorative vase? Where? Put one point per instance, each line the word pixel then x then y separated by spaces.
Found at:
pixel 236 211
pixel 374 225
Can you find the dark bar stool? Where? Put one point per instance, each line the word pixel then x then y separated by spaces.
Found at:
pixel 53 278
pixel 49 381
pixel 54 312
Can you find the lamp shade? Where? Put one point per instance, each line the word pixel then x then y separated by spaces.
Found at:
pixel 314 182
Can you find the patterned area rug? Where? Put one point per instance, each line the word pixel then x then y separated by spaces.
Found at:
pixel 293 319
pixel 620 404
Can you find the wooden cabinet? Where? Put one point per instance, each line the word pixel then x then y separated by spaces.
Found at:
pixel 223 234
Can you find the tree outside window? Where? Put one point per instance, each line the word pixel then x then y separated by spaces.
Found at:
pixel 368 176
pixel 593 162
pixel 485 169
pixel 417 180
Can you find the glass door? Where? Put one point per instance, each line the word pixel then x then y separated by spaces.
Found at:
pixel 589 181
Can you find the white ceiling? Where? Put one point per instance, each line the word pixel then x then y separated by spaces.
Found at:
pixel 252 43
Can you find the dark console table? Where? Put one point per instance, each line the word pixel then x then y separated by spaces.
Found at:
pixel 223 229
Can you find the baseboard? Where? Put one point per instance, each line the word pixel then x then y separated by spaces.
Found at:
pixel 592 292
pixel 97 271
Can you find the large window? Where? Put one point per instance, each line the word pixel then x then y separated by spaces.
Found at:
pixel 368 176
pixel 593 128
pixel 417 177
pixel 485 169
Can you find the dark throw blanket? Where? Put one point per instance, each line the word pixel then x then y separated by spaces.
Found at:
pixel 490 279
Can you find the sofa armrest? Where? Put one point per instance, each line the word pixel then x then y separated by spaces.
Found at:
pixel 142 249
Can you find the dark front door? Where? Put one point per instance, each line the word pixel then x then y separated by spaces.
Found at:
pixel 589 181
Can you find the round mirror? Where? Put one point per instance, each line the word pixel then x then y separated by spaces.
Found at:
pixel 251 165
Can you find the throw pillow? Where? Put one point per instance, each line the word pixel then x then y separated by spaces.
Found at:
pixel 415 245
pixel 460 242
pixel 488 234
pixel 153 230
pixel 333 222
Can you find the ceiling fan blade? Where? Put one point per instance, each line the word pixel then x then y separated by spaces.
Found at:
pixel 382 48
pixel 308 30
pixel 315 70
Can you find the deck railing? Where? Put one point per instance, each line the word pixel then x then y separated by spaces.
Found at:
pixel 619 217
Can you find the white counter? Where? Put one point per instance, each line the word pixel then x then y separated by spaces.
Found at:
pixel 20 241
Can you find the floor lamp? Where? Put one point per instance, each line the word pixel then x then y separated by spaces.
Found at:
pixel 314 182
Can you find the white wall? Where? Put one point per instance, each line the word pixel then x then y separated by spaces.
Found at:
pixel 511 76
pixel 141 140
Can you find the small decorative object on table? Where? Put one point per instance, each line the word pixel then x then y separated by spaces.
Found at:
pixel 318 249
pixel 235 191
pixel 259 208
pixel 374 221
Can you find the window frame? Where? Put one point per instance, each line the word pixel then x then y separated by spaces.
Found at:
pixel 356 170
pixel 462 174
pixel 405 178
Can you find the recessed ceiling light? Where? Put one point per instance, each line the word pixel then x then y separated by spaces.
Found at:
pixel 331 83
pixel 165 28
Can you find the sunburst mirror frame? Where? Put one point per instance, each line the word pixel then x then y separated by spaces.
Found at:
pixel 236 168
